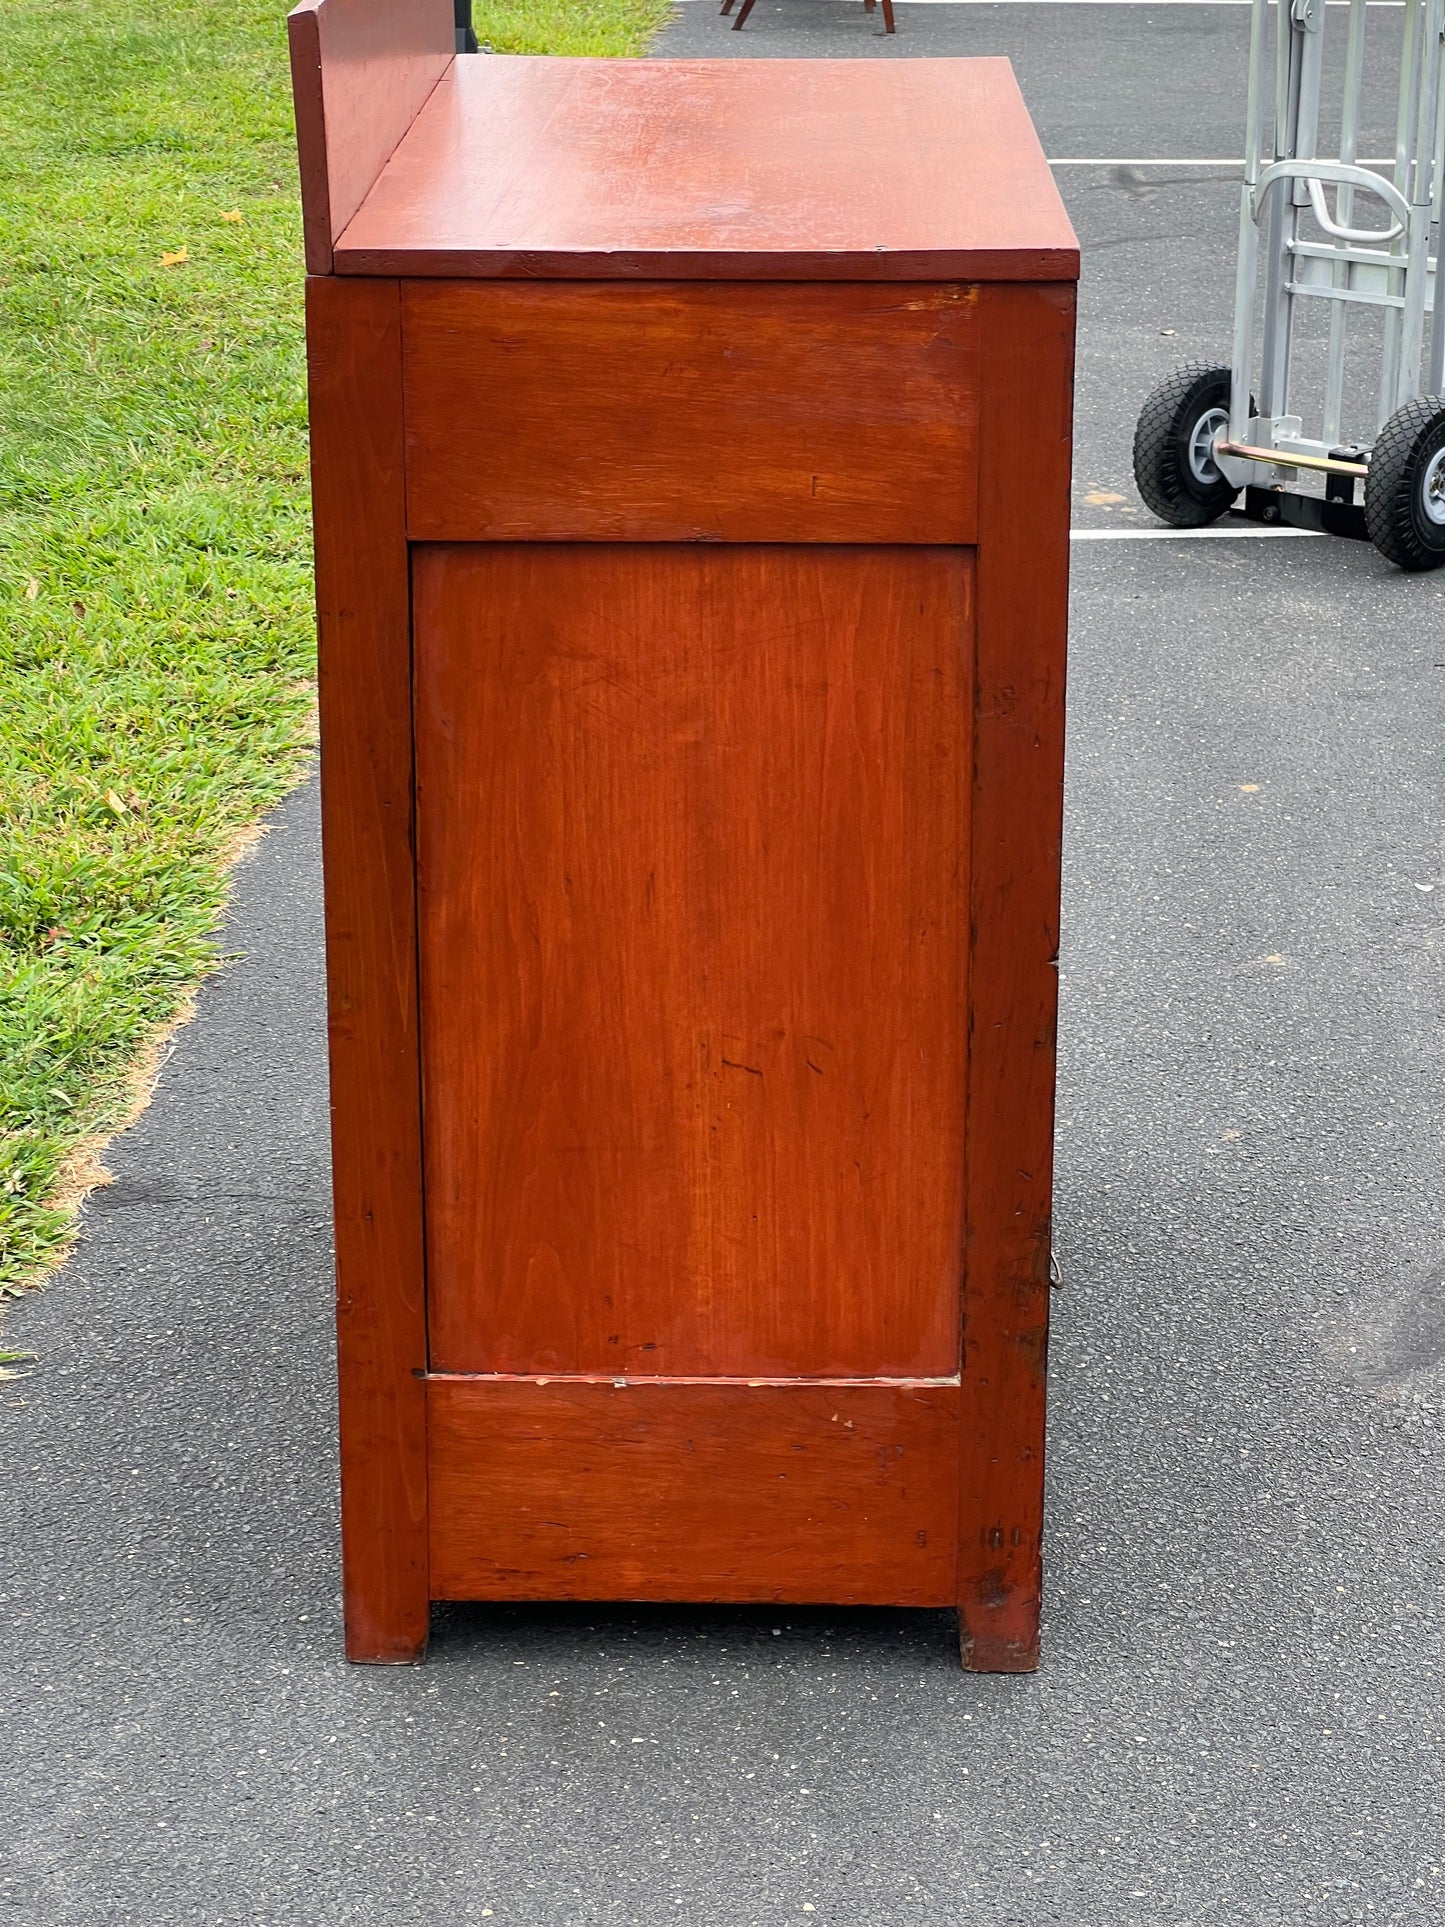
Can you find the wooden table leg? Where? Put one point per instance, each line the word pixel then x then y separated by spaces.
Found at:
pixel 747 8
pixel 887 16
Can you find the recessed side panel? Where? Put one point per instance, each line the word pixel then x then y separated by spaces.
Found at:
pixel 661 1490
pixel 693 908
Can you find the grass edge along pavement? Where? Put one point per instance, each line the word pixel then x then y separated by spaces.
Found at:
pixel 156 681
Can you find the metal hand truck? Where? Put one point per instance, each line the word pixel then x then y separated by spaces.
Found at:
pixel 1201 438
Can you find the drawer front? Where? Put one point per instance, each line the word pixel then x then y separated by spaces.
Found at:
pixel 668 412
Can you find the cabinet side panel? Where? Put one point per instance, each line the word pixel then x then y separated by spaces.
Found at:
pixel 1023 559
pixel 363 604
pixel 693 912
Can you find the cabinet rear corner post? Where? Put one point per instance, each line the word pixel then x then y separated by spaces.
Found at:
pixel 364 620
pixel 1023 550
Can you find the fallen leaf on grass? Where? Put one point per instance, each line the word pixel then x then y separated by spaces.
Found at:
pixel 32 589
pixel 116 803
pixel 232 214
pixel 175 260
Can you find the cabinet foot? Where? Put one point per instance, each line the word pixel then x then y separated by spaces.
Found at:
pixel 1000 1636
pixel 990 1654
pixel 369 1646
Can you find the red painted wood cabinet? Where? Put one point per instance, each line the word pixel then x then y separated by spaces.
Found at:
pixel 691 450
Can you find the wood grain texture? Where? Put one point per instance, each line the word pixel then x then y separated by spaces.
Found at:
pixel 360 71
pixel 1023 565
pixel 354 340
pixel 692 831
pixel 726 956
pixel 699 1491
pixel 842 170
pixel 594 411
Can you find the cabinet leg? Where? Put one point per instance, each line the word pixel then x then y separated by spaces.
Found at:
pixel 399 1640
pixel 998 1627
pixel 363 596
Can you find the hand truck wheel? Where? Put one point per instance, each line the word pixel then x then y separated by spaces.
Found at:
pixel 1405 488
pixel 1174 463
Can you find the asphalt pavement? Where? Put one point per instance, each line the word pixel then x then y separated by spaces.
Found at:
pixel 1238 1719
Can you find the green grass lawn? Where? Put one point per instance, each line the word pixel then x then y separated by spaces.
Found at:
pixel 155 586
pixel 568 26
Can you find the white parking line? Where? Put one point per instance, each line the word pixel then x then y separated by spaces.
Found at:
pixel 1373 4
pixel 1171 160
pixel 1212 534
pixel 1115 160
pixel 1134 160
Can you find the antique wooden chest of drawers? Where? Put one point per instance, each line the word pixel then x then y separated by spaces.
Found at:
pixel 691 454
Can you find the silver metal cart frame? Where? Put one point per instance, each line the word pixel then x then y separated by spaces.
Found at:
pixel 1295 246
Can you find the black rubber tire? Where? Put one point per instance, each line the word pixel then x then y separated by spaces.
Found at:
pixel 1161 447
pixel 1395 486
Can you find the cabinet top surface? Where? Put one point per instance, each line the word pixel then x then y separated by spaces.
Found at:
pixel 717 169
